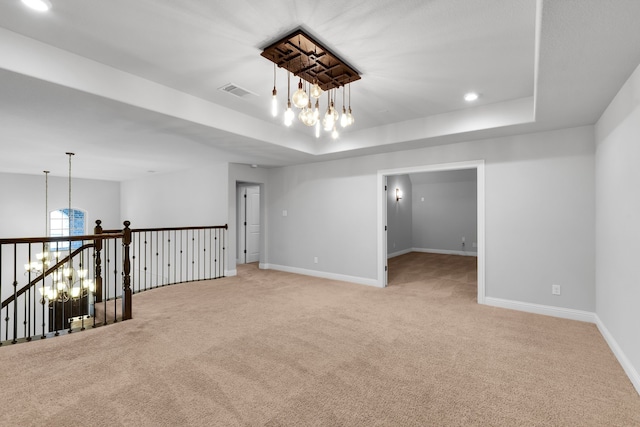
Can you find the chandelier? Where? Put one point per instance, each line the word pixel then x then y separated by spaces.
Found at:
pixel 318 70
pixel 67 282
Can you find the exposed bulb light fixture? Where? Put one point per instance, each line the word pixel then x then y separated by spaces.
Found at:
pixel 300 97
pixel 471 96
pixel 308 116
pixel 288 114
pixel 344 121
pixel 334 133
pixel 398 194
pixel 274 93
pixel 350 119
pixel 39 5
pixel 316 91
pixel 318 70
pixel 316 110
pixel 274 103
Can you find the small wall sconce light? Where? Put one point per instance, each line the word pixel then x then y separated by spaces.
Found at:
pixel 398 194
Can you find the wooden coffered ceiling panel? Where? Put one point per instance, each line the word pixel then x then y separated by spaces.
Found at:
pixel 304 57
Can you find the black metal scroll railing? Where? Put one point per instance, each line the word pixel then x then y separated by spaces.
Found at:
pixel 88 281
pixel 166 256
pixel 52 285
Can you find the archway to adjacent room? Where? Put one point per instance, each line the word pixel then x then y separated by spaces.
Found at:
pixel 383 198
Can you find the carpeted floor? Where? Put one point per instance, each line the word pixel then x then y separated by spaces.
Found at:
pixel 278 349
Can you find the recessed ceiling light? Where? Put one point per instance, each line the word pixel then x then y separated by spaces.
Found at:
pixel 470 97
pixel 39 5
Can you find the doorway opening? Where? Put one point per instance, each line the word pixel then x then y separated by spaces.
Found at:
pixel 396 195
pixel 249 223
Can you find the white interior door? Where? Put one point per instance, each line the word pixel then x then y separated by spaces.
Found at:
pixel 253 224
pixel 241 229
pixel 385 277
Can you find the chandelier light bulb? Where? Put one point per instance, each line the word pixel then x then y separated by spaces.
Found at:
pixel 344 120
pixel 335 133
pixel 328 120
pixel 300 97
pixel 75 292
pixel 317 129
pixel 307 116
pixel 334 112
pixel 274 103
pixel 316 91
pixel 288 115
pixel 350 118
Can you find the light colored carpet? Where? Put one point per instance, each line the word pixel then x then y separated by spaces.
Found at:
pixel 279 349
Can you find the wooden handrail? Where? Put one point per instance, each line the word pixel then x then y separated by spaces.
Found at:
pixel 138 230
pixel 61 238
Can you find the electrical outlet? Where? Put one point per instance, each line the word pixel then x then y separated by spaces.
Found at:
pixel 315 259
pixel 463 240
pixel 284 212
pixel 475 245
pixel 555 289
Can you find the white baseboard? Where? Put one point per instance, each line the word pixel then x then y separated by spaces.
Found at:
pixel 322 274
pixel 402 252
pixel 547 310
pixel 444 252
pixel 628 367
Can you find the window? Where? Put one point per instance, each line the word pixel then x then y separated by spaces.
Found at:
pixel 63 224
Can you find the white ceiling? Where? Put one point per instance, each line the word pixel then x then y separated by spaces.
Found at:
pixel 131 86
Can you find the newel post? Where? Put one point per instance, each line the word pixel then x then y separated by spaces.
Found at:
pixel 97 230
pixel 126 300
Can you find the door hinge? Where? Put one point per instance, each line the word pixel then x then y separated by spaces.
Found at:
pixel 385 268
pixel 385 188
pixel 245 196
pixel 385 228
pixel 245 251
pixel 245 223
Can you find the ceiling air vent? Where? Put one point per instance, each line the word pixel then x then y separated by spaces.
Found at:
pixel 236 90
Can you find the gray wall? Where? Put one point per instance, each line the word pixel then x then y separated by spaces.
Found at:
pixel 23 202
pixel 194 197
pixel 445 210
pixel 617 225
pixel 539 213
pixel 399 215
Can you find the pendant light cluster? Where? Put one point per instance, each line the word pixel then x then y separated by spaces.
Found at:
pixel 318 71
pixel 307 100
